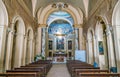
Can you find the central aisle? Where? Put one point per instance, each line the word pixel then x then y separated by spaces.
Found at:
pixel 58 70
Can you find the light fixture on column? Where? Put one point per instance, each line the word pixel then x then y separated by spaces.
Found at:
pixel 111 28
pixel 9 29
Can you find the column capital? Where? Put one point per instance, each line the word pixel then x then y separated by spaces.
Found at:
pixel 42 25
pixel 1 27
pixel 78 25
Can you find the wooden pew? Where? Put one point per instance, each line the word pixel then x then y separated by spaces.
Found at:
pixel 77 71
pixel 43 62
pixel 32 74
pixel 72 71
pixel 36 69
pixel 25 71
pixel 75 64
pixel 98 75
pixel 39 70
pixel 46 66
pixel 42 67
pixel 82 69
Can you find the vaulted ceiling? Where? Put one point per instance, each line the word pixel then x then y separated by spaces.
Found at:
pixel 84 5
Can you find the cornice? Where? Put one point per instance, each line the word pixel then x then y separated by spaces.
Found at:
pixel 42 25
pixel 78 25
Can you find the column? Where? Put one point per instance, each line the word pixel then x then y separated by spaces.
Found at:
pixel 80 39
pixel 80 36
pixel 46 42
pixel 43 40
pixel 24 50
pixel 31 50
pixel 111 53
pixel 38 40
pixel 96 52
pixel 76 38
pixel 1 33
pixel 9 49
pixel 93 43
pixel 19 49
pixel 90 50
pixel 1 44
pixel 87 51
pixel 110 48
pixel 116 32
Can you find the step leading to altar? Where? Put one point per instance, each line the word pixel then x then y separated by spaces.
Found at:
pixel 59 59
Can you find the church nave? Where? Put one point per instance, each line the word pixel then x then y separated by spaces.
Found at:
pixel 58 31
pixel 58 70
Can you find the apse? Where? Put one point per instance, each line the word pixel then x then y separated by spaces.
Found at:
pixel 60 27
pixel 60 22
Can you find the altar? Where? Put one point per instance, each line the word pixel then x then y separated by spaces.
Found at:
pixel 59 57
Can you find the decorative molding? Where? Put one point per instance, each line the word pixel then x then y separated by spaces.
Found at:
pixel 44 14
pixel 24 6
pixel 60 34
pixel 60 5
pixel 93 11
pixel 98 18
pixel 42 25
pixel 23 11
pixel 78 25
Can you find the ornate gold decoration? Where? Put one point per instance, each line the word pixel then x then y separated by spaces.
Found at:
pixel 98 18
pixel 59 5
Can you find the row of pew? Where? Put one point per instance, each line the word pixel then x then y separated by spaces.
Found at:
pixel 36 69
pixel 82 69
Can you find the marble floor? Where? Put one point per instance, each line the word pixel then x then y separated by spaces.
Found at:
pixel 58 70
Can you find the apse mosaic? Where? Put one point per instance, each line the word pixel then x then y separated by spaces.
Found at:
pixel 60 27
pixel 61 23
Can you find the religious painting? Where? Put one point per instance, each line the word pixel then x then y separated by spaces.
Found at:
pixel 69 44
pixel 50 45
pixel 50 54
pixel 101 50
pixel 60 43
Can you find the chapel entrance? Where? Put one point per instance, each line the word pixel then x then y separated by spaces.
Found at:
pixel 61 37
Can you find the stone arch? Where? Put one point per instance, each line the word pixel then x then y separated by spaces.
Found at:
pixel 90 38
pixel 22 27
pixel 104 35
pixel 99 38
pixel 55 19
pixel 3 28
pixel 116 29
pixel 43 15
pixel 116 15
pixel 17 38
pixel 4 14
pixel 3 23
pixel 29 46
